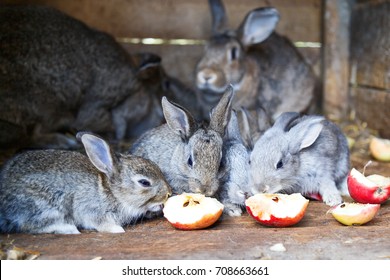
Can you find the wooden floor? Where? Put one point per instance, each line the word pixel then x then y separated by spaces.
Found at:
pixel 317 236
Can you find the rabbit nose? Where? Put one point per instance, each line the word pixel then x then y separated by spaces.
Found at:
pixel 207 76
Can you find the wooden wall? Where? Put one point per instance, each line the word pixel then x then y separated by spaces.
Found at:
pixel 186 19
pixel 370 64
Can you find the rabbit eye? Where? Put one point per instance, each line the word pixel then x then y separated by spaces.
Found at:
pixel 189 162
pixel 233 53
pixel 279 164
pixel 144 182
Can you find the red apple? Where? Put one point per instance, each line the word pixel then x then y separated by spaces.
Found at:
pixel 373 189
pixel 380 149
pixel 192 211
pixel 354 214
pixel 277 210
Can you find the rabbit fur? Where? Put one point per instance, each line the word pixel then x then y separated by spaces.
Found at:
pixel 56 191
pixel 59 75
pixel 265 68
pixel 244 129
pixel 304 154
pixel 189 153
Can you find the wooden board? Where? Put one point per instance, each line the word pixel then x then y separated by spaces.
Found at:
pixel 370 45
pixel 184 18
pixel 372 106
pixel 317 236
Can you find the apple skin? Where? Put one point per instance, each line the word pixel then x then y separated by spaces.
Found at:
pixel 380 149
pixel 275 221
pixel 362 190
pixel 205 222
pixel 354 214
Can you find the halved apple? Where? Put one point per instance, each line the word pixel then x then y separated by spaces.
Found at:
pixel 380 148
pixel 354 214
pixel 277 210
pixel 190 211
pixel 373 189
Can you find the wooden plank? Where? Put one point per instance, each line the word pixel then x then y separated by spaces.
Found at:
pixel 300 20
pixel 370 45
pixel 317 236
pixel 372 106
pixel 336 58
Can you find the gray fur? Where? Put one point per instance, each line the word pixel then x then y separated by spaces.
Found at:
pixel 55 191
pixel 305 154
pixel 59 75
pixel 188 153
pixel 235 182
pixel 265 68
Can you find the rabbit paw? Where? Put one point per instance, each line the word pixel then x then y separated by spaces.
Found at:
pixel 111 228
pixel 233 210
pixel 60 229
pixel 332 199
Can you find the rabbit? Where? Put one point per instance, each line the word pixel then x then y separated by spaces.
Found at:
pixel 58 76
pixel 244 128
pixel 59 191
pixel 156 83
pixel 235 179
pixel 264 67
pixel 189 153
pixel 301 154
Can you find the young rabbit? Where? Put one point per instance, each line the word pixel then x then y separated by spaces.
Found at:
pixel 305 154
pixel 265 68
pixel 244 128
pixel 188 153
pixel 55 191
pixel 235 179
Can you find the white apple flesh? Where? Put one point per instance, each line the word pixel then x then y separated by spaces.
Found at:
pixel 190 211
pixel 354 214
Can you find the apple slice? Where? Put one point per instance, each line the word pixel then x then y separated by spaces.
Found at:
pixel 373 189
pixel 380 149
pixel 192 211
pixel 354 214
pixel 277 210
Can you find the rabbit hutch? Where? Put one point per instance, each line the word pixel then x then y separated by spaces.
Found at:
pixel 347 44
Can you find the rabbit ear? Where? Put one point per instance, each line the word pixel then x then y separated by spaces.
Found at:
pixel 304 134
pixel 219 17
pixel 220 114
pixel 233 129
pixel 258 25
pixel 178 119
pixel 284 121
pixel 245 129
pixel 99 152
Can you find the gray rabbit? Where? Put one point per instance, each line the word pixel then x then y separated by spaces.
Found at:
pixel 305 154
pixel 55 191
pixel 58 75
pixel 188 153
pixel 265 68
pixel 243 130
pixel 235 179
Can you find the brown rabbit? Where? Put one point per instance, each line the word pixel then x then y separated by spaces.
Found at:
pixel 59 75
pixel 264 68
